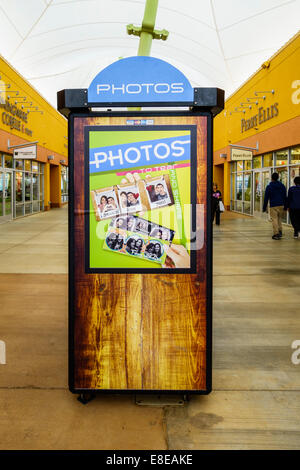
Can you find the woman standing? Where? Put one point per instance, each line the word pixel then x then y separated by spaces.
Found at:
pixel 216 198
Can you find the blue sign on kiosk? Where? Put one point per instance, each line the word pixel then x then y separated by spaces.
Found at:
pixel 140 80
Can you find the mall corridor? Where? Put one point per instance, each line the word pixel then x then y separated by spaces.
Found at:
pixel 255 403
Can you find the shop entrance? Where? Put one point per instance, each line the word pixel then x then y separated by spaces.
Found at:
pixel 260 181
pixel 6 203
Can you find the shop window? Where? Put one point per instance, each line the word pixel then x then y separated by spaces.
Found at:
pixel 35 167
pixel 239 166
pixel 35 206
pixel 239 206
pixel 27 186
pixel 248 164
pixel 19 184
pixel 247 186
pixel 8 161
pixel 27 164
pixel 294 171
pixel 35 187
pixel 233 166
pixel 281 157
pixel 19 164
pixel 28 209
pixel 295 155
pixel 239 186
pixel 64 184
pixel 247 208
pixel 19 210
pixel 233 187
pixel 256 162
pixel 268 159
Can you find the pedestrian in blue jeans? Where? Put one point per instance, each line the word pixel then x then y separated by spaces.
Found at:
pixel 293 204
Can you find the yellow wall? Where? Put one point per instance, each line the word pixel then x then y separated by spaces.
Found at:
pixel 49 128
pixel 282 76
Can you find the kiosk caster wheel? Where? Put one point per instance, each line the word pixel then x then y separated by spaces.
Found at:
pixel 85 398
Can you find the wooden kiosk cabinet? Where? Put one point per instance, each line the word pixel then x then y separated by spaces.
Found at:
pixel 140 232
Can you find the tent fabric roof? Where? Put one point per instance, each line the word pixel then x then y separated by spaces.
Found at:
pixel 57 44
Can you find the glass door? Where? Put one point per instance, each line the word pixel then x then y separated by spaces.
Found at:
pixel 6 202
pixel 260 181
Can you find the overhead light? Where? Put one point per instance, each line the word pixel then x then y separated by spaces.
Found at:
pixel 270 91
pixel 62 161
pixel 223 155
pixel 50 157
pixel 247 105
pixel 35 111
pixel 13 91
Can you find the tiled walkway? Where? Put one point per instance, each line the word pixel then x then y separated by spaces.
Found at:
pixel 255 401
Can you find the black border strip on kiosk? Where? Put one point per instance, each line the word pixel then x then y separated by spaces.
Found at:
pixel 209 117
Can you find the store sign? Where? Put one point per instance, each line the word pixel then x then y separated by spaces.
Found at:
pixel 140 80
pixel 25 152
pixel 14 117
pixel 263 115
pixel 241 154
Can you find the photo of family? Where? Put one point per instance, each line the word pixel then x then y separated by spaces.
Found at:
pixel 130 200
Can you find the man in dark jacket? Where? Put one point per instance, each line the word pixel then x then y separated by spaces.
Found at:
pixel 276 194
pixel 293 204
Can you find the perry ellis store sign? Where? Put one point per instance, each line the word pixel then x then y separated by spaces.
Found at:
pixel 263 115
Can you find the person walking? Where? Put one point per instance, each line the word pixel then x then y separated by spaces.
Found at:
pixel 293 205
pixel 216 198
pixel 276 196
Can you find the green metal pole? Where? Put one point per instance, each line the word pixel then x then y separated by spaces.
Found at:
pixel 148 24
pixel 146 32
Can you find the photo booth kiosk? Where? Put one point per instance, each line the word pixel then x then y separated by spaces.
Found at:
pixel 140 230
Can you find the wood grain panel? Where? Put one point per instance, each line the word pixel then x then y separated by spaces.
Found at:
pixel 138 331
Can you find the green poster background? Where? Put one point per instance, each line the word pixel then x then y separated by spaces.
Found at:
pixel 167 216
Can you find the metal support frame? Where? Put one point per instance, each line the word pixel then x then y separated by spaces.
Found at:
pixel 75 101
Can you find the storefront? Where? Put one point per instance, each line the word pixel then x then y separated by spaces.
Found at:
pixel 39 182
pixel 21 187
pixel 262 121
pixel 249 178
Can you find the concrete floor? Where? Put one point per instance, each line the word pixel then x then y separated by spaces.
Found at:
pixel 255 403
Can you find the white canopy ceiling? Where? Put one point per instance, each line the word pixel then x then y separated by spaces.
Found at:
pixel 57 44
